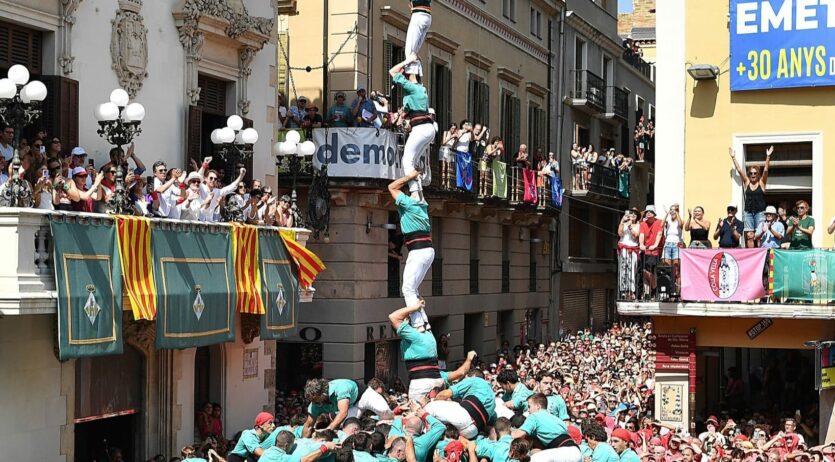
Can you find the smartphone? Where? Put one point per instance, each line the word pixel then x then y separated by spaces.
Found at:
pixel 46 174
pixel 91 163
pixel 43 149
pixel 149 184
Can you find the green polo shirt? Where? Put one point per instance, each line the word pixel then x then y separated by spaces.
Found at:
pixel 604 453
pixel 414 215
pixel 415 98
pixel 338 389
pixel 305 446
pixel 275 454
pixel 416 345
pixel 270 440
pixel 519 397
pixel 362 456
pixel 478 388
pixel 495 451
pixel 248 442
pixel 557 407
pixel 629 456
pixel 427 441
pixel 544 427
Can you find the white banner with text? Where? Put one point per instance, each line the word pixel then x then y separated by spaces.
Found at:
pixel 360 153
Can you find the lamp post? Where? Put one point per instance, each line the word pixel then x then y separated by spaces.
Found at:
pixel 292 158
pixel 234 144
pixel 19 107
pixel 119 122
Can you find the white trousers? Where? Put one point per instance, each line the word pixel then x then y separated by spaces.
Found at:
pixel 417 143
pixel 374 402
pixel 566 454
pixel 418 388
pixel 418 263
pixel 502 410
pixel 419 25
pixel 450 412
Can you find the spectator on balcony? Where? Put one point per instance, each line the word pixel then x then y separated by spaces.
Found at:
pixel 363 109
pixel 754 188
pixel 578 165
pixel 698 226
pixel 770 232
pixel 339 115
pixel 447 151
pixel 628 247
pixel 6 140
pixel 78 157
pixel 297 112
pixel 649 152
pixel 252 214
pixel 191 206
pixel 144 204
pixel 53 149
pixel 729 230
pixel 522 160
pixel 640 139
pixel 42 191
pixel 624 171
pixel 801 227
pixel 81 197
pixel 673 240
pixel 494 150
pixel 312 120
pixel 283 215
pixel 210 190
pixel 282 112
pixel 650 239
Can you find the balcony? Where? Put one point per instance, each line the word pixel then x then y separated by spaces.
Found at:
pixel 635 60
pixel 617 104
pixel 634 299
pixel 588 92
pixel 598 181
pixel 27 278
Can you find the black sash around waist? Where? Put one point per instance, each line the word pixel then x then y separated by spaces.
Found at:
pixel 418 240
pixel 477 411
pixel 562 441
pixel 423 368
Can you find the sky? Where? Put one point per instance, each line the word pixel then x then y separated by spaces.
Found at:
pixel 624 6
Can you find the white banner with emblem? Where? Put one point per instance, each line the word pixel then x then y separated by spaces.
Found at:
pixel 361 153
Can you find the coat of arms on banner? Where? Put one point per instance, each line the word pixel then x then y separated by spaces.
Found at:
pixel 91 308
pixel 280 300
pixel 723 275
pixel 814 281
pixel 198 306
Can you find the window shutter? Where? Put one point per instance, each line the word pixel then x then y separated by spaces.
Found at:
pixel 193 135
pixel 517 123
pixel 212 94
pixel 20 45
pixel 485 107
pixel 470 99
pixel 60 110
pixel 387 64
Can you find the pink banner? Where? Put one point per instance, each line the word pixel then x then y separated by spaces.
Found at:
pixel 530 185
pixel 722 274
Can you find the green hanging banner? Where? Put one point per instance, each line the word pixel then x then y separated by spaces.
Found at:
pixel 804 275
pixel 279 288
pixel 88 278
pixel 499 179
pixel 195 284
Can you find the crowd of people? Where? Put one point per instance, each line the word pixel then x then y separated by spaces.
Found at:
pixel 68 180
pixel 585 159
pixel 647 240
pixel 588 397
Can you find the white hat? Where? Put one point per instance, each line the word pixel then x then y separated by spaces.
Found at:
pixel 78 171
pixel 770 209
pixel 193 176
pixel 650 208
pixel 302 98
pixel 79 151
pixel 732 205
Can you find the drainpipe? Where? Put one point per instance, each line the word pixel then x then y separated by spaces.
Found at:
pixel 369 46
pixel 325 52
pixel 556 259
pixel 550 84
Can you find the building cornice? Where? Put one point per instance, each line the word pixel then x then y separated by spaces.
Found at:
pixel 489 22
pixel 579 24
pixel 394 17
pixel 444 43
pixel 478 60
pixel 509 76
pixel 536 89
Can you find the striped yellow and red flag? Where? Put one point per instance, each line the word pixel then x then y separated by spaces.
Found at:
pixel 309 264
pixel 134 240
pixel 247 273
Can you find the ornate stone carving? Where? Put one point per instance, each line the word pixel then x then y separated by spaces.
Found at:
pixel 65 56
pixel 141 334
pixel 245 57
pixel 234 11
pixel 129 46
pixel 192 41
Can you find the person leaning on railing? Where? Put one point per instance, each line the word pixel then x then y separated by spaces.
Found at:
pixel 628 232
pixel 801 227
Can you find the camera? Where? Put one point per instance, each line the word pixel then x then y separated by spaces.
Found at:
pixel 378 98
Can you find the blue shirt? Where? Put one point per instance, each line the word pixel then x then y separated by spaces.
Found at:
pixel 768 240
pixel 367 106
pixel 275 454
pixel 519 397
pixel 340 116
pixel 414 215
pixel 544 427
pixel 604 453
pixel 247 443
pixel 415 98
pixel 629 456
pixel 416 345
pixel 270 440
pixel 557 407
pixel 495 451
pixel 726 235
pixel 362 456
pixel 479 389
pixel 338 389
pixel 425 442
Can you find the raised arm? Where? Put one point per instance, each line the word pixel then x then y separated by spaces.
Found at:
pixel 396 185
pixel 401 315
pixel 768 153
pixel 398 68
pixel 718 229
pixel 738 168
pixel 459 373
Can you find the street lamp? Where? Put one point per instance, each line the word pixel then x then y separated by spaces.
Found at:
pixel 233 142
pixel 19 107
pixel 292 158
pixel 119 122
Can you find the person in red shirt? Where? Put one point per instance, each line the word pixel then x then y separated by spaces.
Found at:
pixel 651 241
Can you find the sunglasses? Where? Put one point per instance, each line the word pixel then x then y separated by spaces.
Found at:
pixel 752 173
pixel 212 178
pixel 111 171
pixel 162 170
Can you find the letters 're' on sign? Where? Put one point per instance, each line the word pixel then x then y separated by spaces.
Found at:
pixel 782 44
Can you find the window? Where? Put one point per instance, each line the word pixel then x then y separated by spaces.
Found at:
pixel 441 97
pixel 536 128
pixel 639 108
pixel 536 23
pixel 20 45
pixel 395 257
pixel 505 259
pixel 607 70
pixel 532 264
pixel 393 54
pixel 438 263
pixel 510 113
pixel 509 9
pixel 651 112
pixel 579 54
pixel 478 101
pixel 474 257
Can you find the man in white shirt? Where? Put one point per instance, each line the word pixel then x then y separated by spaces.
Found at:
pixel 209 189
pixel 6 140
pixel 298 112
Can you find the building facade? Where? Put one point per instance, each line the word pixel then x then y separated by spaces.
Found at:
pixel 604 96
pixel 698 120
pixel 191 64
pixel 487 62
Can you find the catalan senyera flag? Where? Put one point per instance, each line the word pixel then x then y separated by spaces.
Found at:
pixel 247 272
pixel 134 237
pixel 309 264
